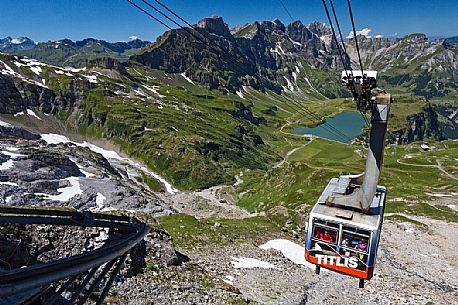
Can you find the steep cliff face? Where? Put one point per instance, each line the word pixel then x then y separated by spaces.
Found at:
pixel 18 97
pixel 420 126
pixel 215 25
pixel 214 58
pixel 28 84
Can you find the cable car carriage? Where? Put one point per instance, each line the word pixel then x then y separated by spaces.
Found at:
pixel 344 226
pixel 345 240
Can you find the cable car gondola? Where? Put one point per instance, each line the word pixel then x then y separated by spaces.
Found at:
pixel 345 240
pixel 344 225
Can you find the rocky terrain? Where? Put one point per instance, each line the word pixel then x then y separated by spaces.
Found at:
pixel 414 266
pixel 49 170
pixel 154 270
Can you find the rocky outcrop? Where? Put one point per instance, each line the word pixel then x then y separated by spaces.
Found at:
pixel 244 112
pixel 301 34
pixel 17 96
pixel 215 25
pixel 10 96
pixel 153 270
pixel 16 132
pixel 319 29
pixel 107 63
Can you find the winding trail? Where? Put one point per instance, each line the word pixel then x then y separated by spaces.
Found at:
pixel 438 165
pixel 289 153
pixel 408 156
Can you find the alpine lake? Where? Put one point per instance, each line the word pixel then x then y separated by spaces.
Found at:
pixel 342 128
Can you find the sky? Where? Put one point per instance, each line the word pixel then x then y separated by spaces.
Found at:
pixel 117 20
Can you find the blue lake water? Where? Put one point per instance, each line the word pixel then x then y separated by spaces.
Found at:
pixel 349 123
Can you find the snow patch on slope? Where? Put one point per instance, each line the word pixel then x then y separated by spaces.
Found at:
pixel 6 165
pixel 28 112
pixel 66 193
pixel 290 250
pixel 5 124
pixel 154 90
pixel 187 78
pixel 290 84
pixel 295 42
pixel 99 199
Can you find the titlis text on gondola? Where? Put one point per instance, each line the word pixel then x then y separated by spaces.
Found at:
pixel 350 262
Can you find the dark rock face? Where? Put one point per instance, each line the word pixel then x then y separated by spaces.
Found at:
pixel 17 95
pixel 319 29
pixel 110 64
pixel 420 126
pixel 9 96
pixel 43 164
pixel 54 160
pixel 244 112
pixel 300 33
pixel 16 132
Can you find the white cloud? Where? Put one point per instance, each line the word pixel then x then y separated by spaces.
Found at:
pixel 365 32
pixel 133 37
pixel 379 36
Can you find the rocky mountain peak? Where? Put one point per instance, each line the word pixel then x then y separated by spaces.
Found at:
pixel 237 28
pixel 297 31
pixel 272 26
pixel 416 37
pixel 215 25
pixel 319 29
pixel 20 43
pixel 278 24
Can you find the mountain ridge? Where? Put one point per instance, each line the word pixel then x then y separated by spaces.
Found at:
pixel 268 51
pixel 66 52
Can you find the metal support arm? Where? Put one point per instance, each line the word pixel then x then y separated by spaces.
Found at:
pixel 358 191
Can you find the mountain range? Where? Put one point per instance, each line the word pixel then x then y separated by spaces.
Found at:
pixel 66 52
pixel 268 55
pixel 198 107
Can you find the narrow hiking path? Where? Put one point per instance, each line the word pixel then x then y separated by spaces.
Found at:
pixel 438 165
pixel 289 153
